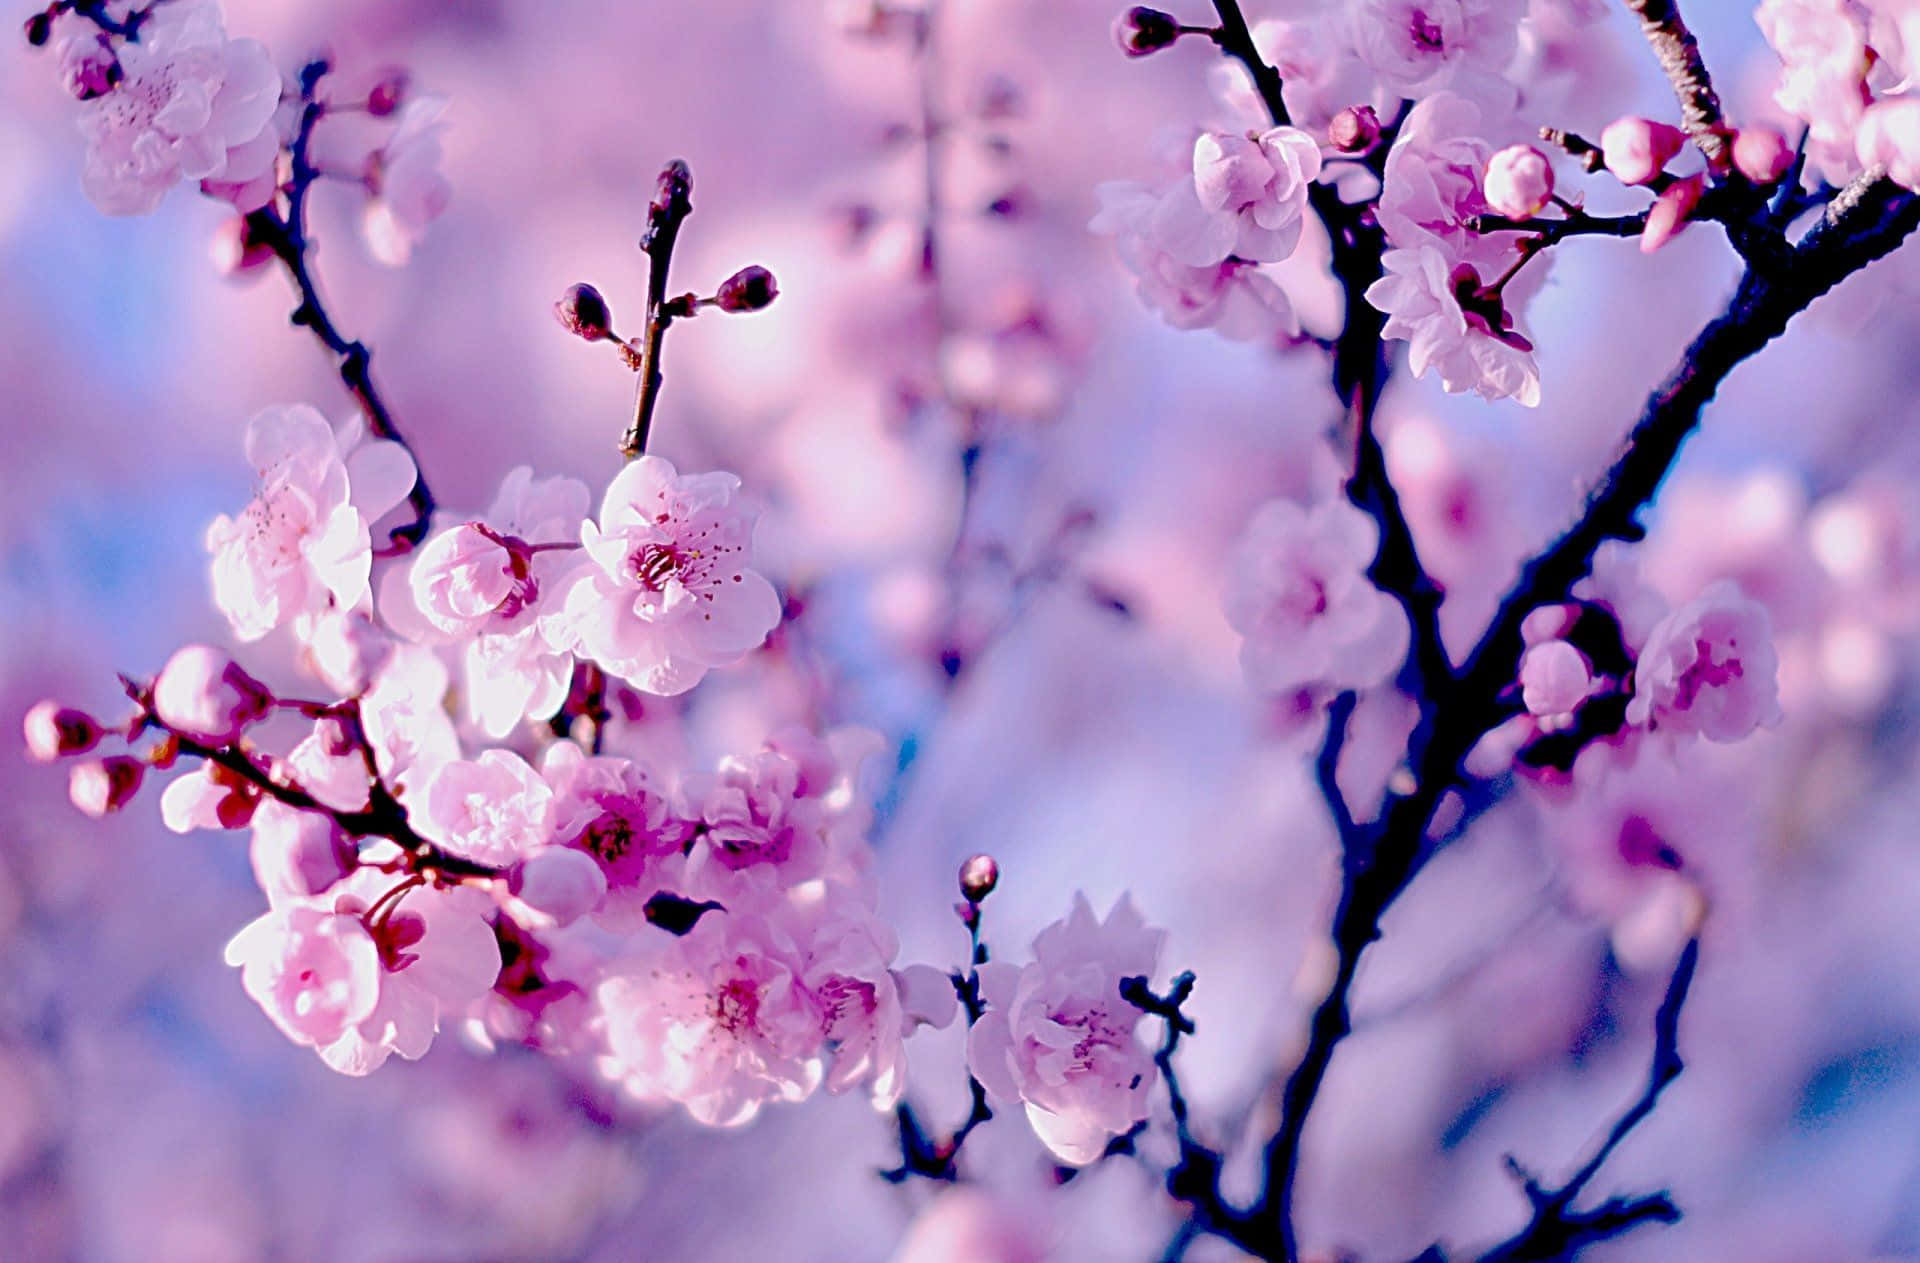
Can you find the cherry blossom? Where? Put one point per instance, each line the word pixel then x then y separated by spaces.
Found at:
pixel 190 104
pixel 1057 1037
pixel 302 545
pixel 493 809
pixel 1555 677
pixel 626 818
pixel 666 591
pixel 1253 188
pixel 1233 296
pixel 1300 596
pixel 1454 325
pixel 1419 46
pixel 1709 668
pixel 204 694
pixel 297 854
pixel 313 971
pixel 717 1020
pixel 403 176
pixel 1433 174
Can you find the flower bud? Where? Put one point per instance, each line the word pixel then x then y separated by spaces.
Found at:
pixel 39 29
pixel 102 786
pixel 1519 181
pixel 1761 154
pixel 749 289
pixel 559 882
pixel 1670 213
pixel 672 199
pixel 1355 129
pixel 204 694
pixel 389 94
pixel 1554 679
pixel 54 731
pixel 583 313
pixel 1141 30
pixel 1638 149
pixel 235 250
pixel 978 876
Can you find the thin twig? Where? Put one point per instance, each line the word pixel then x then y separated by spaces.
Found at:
pixel 672 203
pixel 1679 55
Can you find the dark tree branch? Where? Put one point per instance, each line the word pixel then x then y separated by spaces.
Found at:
pixel 1557 1230
pixel 921 1154
pixel 672 203
pixel 1326 767
pixel 1679 55
pixel 287 239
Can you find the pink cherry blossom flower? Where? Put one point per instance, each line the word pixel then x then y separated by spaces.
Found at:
pixel 439 958
pixel 1300 596
pixel 302 545
pixel 313 971
pixel 297 854
pixel 1432 180
pixel 619 813
pixel 1235 298
pixel 1419 46
pixel 484 582
pixel 756 817
pixel 409 191
pixel 666 592
pixel 204 694
pixel 345 649
pixel 1709 668
pixel 1254 189
pixel 845 958
pixel 717 1020
pixel 494 809
pixel 1823 51
pixel 404 716
pixel 1449 324
pixel 1320 72
pixel 1058 1038
pixel 191 104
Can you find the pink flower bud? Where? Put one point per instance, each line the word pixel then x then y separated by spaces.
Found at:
pixel 102 786
pixel 53 731
pixel 1761 154
pixel 1554 678
pixel 1670 213
pixel 1355 129
pixel 1141 30
pixel 583 313
pixel 389 94
pixel 203 694
pixel 749 289
pixel 978 876
pixel 559 882
pixel 1638 149
pixel 1519 181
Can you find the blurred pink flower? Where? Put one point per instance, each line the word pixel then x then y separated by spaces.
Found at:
pixel 1300 595
pixel 1419 46
pixel 192 104
pixel 1058 1038
pixel 1709 668
pixel 409 191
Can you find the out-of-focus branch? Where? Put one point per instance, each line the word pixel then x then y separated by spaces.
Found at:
pixel 1557 1230
pixel 672 203
pixel 287 239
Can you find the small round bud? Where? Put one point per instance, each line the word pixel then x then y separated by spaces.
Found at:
pixel 204 694
pixel 389 94
pixel 978 876
pixel 1141 30
pixel 749 289
pixel 100 787
pixel 1671 212
pixel 559 883
pixel 1761 154
pixel 1638 149
pixel 39 29
pixel 583 313
pixel 54 731
pixel 1519 181
pixel 1355 129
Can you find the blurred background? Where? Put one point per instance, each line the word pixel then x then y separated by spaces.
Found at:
pixel 1051 667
